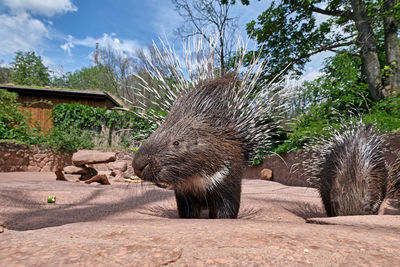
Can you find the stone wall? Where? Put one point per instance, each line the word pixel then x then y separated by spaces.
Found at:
pixel 15 157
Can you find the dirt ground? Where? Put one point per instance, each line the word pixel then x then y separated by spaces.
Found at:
pixel 136 225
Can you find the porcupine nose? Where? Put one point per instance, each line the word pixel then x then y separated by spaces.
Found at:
pixel 138 166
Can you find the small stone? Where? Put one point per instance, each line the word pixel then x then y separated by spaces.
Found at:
pixel 60 175
pixel 266 174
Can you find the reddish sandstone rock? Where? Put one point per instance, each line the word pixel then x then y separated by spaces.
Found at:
pixel 76 170
pixel 72 177
pixel 102 179
pixel 92 156
pixel 118 165
pixel 137 224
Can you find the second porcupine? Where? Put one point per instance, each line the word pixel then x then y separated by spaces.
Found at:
pixel 213 129
pixel 350 171
pixel 393 188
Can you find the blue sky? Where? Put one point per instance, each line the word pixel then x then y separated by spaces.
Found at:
pixel 64 32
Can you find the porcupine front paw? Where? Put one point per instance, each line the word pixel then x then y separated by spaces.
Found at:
pixel 188 206
pixel 225 206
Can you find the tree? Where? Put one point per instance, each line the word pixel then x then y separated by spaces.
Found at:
pixel 28 69
pixel 5 75
pixel 209 19
pixel 119 66
pixel 392 50
pixel 88 78
pixel 290 35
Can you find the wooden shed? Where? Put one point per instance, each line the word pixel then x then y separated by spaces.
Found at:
pixel 39 102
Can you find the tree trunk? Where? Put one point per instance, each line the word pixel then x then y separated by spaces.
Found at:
pixel 369 52
pixel 221 54
pixel 392 51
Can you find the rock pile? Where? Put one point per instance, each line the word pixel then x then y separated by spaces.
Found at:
pixel 89 166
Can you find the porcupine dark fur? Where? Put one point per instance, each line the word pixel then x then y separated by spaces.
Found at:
pixel 211 132
pixel 393 188
pixel 350 171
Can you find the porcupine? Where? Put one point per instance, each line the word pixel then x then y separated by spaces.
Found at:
pixel 393 188
pixel 350 170
pixel 213 128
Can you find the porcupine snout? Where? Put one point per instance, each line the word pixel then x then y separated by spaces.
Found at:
pixel 140 161
pixel 139 164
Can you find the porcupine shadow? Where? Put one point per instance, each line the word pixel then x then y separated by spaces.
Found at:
pixel 168 210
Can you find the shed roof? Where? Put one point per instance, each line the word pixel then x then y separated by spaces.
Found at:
pixel 61 93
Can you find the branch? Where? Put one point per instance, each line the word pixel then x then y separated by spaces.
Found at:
pixel 335 13
pixel 322 49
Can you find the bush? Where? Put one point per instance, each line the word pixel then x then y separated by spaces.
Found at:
pixel 80 120
pixel 13 121
pixel 385 114
pixel 70 139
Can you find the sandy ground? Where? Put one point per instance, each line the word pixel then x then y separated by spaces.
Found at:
pixel 137 225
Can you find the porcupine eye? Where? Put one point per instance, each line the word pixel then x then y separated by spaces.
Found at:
pixel 176 143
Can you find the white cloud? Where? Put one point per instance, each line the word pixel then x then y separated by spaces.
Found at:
pixel 20 32
pixel 311 75
pixel 41 7
pixel 124 46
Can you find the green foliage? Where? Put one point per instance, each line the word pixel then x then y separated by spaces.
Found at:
pixel 5 74
pixel 341 89
pixel 319 120
pixel 385 114
pixel 29 70
pixel 335 98
pixel 77 116
pixel 96 77
pixel 13 121
pixel 287 33
pixel 67 118
pixel 70 138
